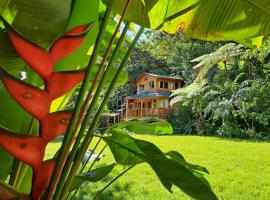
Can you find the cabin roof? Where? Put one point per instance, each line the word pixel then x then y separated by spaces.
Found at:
pixel 150 94
pixel 158 76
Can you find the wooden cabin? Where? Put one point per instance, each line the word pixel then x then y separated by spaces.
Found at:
pixel 152 98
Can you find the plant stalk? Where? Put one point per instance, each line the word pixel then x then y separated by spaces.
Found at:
pixel 94 100
pixel 79 103
pixel 84 165
pixel 76 191
pixel 97 158
pixel 92 152
pixel 91 130
pixel 112 181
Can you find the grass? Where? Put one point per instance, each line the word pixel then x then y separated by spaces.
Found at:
pixel 239 169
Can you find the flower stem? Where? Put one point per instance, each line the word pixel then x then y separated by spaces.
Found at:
pixel 112 181
pixel 92 127
pixel 79 103
pixel 94 100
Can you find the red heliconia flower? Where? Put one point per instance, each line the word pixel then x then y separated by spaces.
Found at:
pixel 34 100
pixel 41 178
pixel 68 43
pixel 41 61
pixel 37 102
pixel 29 149
pixel 54 125
pixel 61 82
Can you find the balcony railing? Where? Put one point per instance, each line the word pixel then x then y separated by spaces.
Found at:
pixel 147 113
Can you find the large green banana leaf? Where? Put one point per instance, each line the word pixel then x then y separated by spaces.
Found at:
pixel 84 12
pixel 150 126
pixel 228 19
pixel 8 192
pixel 138 11
pixel 3 5
pixel 202 19
pixel 9 59
pixel 171 169
pixel 32 17
pixel 91 176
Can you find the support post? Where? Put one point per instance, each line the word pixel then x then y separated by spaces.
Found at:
pixel 158 102
pixel 126 108
pixel 141 107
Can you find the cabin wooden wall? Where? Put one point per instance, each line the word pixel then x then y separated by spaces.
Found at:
pixel 146 79
pixel 170 82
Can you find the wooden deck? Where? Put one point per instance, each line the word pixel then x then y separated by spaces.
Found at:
pixel 134 113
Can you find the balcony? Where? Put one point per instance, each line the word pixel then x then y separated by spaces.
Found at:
pixel 135 113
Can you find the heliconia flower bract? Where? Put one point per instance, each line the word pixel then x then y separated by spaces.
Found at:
pixel 37 102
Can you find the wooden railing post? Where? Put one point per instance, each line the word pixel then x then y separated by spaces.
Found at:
pixel 126 109
pixel 141 107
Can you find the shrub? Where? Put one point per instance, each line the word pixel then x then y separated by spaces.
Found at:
pixel 182 120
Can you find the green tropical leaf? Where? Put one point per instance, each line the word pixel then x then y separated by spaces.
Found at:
pixel 31 17
pixel 146 127
pixel 122 155
pixel 180 158
pixel 6 161
pixel 137 11
pixel 229 20
pixel 24 182
pixel 84 12
pixel 9 59
pixel 3 5
pixel 8 192
pixel 92 176
pixel 169 171
pixel 154 14
pixel 243 21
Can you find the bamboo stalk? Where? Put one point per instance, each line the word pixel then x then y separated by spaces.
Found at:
pixel 79 103
pixel 91 130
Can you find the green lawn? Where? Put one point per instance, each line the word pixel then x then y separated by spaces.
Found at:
pixel 239 169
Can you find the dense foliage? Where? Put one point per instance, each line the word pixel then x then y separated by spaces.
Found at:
pixel 227 85
pixel 54 58
pixel 234 102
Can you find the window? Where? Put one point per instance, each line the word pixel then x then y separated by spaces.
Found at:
pixel 175 86
pixel 163 84
pixel 164 103
pixel 141 86
pixel 151 84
